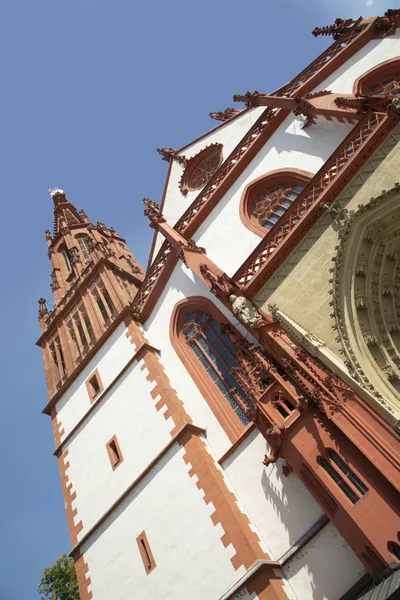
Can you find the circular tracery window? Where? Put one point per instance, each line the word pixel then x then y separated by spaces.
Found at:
pixel 199 169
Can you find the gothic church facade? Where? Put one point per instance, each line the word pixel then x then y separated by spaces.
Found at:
pixel 227 423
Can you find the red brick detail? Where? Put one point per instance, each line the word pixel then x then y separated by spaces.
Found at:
pixel 235 524
pixel 58 429
pixel 82 575
pixel 266 584
pixel 69 497
pixel 167 396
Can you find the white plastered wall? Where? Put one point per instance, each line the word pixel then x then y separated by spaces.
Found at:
pixel 128 412
pixel 371 55
pixel 191 559
pixel 325 568
pixel 114 354
pixel 281 507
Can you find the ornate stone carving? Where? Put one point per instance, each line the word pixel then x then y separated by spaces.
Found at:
pixel 387 288
pixel 337 30
pixel 220 285
pixel 153 213
pixel 245 311
pixel 390 373
pixel 361 269
pixel 361 302
pixel 370 338
pixel 249 98
pixel 225 115
pixel 54 282
pixel 274 436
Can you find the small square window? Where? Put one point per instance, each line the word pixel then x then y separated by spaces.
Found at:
pixel 114 452
pixel 94 385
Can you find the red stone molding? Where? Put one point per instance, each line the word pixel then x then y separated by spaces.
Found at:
pixel 93 395
pixel 82 575
pixel 69 497
pixel 115 462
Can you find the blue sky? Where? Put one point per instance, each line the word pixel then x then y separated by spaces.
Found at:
pixel 90 89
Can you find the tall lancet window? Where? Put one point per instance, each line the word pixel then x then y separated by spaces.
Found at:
pixel 210 357
pixel 267 199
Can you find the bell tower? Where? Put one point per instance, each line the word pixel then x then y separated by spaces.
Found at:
pixel 94 278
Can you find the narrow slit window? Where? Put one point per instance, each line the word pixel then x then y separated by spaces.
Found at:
pixel 94 385
pixel 145 552
pixel 84 246
pixel 114 452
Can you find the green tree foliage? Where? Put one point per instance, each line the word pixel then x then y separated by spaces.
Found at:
pixel 59 581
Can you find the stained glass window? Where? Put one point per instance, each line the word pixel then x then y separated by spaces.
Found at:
pixel 271 203
pixel 217 354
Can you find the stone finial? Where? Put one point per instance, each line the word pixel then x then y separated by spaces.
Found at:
pixel 43 310
pixel 225 115
pixel 167 153
pixel 249 98
pixel 152 212
pixel 49 237
pixel 336 30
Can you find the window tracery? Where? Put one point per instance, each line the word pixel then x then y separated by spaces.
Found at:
pixel 382 79
pixel 217 354
pixel 200 168
pixel 267 199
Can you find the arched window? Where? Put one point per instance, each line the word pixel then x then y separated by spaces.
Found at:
pixel 382 79
pixel 210 357
pixel 344 477
pixel 84 246
pixel 265 200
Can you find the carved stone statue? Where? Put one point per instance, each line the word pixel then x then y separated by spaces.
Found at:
pixel 245 311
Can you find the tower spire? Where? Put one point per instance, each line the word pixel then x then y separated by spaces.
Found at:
pixel 94 278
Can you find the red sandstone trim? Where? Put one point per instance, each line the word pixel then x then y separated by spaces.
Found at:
pixel 82 575
pixel 58 430
pixel 143 348
pixel 53 401
pixel 69 497
pixel 186 427
pixel 114 460
pixel 235 523
pixel 296 176
pixel 89 386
